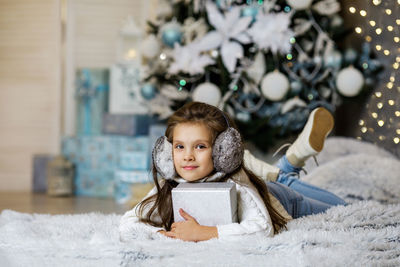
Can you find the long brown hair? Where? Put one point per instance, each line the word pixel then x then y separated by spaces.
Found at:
pixel 161 202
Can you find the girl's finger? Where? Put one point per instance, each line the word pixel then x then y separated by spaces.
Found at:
pixel 185 215
pixel 170 234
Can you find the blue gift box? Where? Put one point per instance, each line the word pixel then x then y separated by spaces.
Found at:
pixel 131 186
pixel 134 160
pixel 96 158
pixel 71 148
pixel 92 86
pixel 125 124
pixel 139 143
pixel 94 182
pixel 155 131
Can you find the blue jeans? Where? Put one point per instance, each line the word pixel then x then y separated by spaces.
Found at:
pixel 297 197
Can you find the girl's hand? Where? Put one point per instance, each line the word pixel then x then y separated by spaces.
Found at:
pixel 191 230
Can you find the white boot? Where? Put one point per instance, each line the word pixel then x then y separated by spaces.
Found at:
pixel 311 140
pixel 260 168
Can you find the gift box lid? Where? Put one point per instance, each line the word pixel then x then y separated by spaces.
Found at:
pixel 210 204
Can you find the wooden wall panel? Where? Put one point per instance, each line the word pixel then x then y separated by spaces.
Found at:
pixel 29 87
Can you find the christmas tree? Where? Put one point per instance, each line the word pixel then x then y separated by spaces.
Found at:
pixel 381 121
pixel 267 63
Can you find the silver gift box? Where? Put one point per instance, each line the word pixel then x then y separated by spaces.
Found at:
pixel 210 204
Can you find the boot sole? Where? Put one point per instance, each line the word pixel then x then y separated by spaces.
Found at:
pixel 322 125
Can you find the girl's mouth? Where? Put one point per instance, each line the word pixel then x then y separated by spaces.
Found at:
pixel 188 168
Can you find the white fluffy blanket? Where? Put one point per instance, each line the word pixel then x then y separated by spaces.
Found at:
pixel 365 233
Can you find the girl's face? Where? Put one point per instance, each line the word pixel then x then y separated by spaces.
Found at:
pixel 192 151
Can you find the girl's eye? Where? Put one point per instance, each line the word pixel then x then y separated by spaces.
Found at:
pixel 200 146
pixel 179 146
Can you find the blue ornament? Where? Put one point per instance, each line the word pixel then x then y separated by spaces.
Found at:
pixel 295 87
pixel 243 116
pixel 148 91
pixel 171 34
pixel 334 60
pixel 250 11
pixel 350 56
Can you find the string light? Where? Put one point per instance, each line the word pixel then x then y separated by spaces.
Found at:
pixel 382 27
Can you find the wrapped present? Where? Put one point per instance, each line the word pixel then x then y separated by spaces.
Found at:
pixel 125 124
pixel 155 131
pixel 94 182
pixel 40 172
pixel 91 100
pixel 139 143
pixel 131 186
pixel 134 160
pixel 71 148
pixel 125 90
pixel 210 204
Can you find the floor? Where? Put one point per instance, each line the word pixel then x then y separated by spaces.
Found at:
pixel 42 203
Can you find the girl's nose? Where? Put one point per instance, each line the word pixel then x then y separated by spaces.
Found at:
pixel 189 155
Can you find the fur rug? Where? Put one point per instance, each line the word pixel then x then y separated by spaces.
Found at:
pixel 364 233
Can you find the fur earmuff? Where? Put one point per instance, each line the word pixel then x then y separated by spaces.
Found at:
pixel 162 158
pixel 228 151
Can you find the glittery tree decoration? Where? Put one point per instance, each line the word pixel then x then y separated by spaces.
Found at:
pixel 381 123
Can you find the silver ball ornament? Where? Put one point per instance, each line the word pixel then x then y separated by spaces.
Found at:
pixel 274 86
pixel 349 81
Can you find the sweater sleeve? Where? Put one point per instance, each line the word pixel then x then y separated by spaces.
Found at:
pixel 252 216
pixel 130 226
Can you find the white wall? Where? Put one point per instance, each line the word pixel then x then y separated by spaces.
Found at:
pixel 36 84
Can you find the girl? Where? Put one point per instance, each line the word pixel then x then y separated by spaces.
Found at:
pixel 201 144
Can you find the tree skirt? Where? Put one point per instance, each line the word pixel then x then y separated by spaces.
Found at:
pixel 364 233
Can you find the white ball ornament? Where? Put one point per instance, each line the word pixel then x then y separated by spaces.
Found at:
pixel 207 93
pixel 274 86
pixel 349 81
pixel 299 4
pixel 150 46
